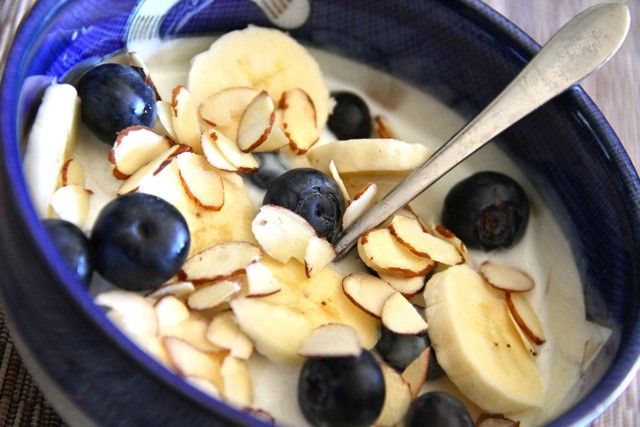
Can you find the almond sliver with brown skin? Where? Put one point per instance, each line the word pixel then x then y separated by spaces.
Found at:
pixel 407 286
pixel 245 162
pixel 213 295
pixel 331 340
pixel 224 108
pixel 212 152
pixel 398 397
pixel 136 146
pixel 506 278
pixel 526 317
pixel 400 316
pixel 186 124
pixel 201 182
pixel 361 203
pixel 299 120
pixel 222 261
pixel 255 122
pixel 72 173
pixel 367 292
pixel 415 374
pixel 409 233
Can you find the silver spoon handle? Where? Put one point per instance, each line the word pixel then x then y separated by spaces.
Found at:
pixel 580 47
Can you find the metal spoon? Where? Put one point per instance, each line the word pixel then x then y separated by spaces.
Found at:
pixel 580 47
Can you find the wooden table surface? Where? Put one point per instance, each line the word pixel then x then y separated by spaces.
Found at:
pixel 614 88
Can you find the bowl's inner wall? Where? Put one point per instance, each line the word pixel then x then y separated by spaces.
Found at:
pixel 565 147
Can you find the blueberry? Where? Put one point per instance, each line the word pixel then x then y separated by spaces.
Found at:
pixel 341 391
pixel 312 195
pixel 400 350
pixel 437 409
pixel 114 97
pixel 350 118
pixel 487 210
pixel 73 246
pixel 139 241
pixel 271 167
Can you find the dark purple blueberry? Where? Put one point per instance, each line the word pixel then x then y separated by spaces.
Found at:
pixel 437 409
pixel 488 210
pixel 350 118
pixel 271 167
pixel 312 195
pixel 114 97
pixel 73 246
pixel 139 241
pixel 341 391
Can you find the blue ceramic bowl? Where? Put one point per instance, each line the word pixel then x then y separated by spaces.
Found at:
pixel 459 50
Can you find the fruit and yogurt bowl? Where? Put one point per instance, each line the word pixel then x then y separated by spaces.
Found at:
pixel 233 173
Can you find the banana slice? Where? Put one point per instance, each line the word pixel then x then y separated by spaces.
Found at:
pixel 259 58
pixel 477 345
pixel 50 144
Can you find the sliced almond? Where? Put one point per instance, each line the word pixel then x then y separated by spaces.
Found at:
pixel 244 162
pixel 189 361
pixel 136 146
pixel 382 127
pixel 361 203
pixel 224 331
pixel 238 387
pixel 407 286
pixel 397 398
pixel 338 179
pixel 205 386
pixel 506 278
pixel 382 252
pixel 164 113
pixel 71 203
pixel 185 120
pixel 72 173
pixel 136 313
pixel 213 153
pixel 400 316
pixel 367 292
pixel 194 332
pixel 495 420
pixel 177 289
pixel 526 317
pixel 201 182
pixel 260 281
pixel 275 140
pixel 223 261
pixel 409 233
pixel 282 233
pixel 449 236
pixel 331 340
pixel 318 255
pixel 299 120
pixel 255 122
pixel 136 61
pixel 170 311
pixel 213 295
pixel 224 108
pixel 415 374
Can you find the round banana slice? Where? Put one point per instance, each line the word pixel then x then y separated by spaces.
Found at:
pixel 477 344
pixel 260 58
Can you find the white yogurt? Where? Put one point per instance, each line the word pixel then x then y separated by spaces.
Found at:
pixel 414 117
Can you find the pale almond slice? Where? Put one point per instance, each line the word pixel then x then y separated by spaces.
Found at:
pixel 256 122
pixel 71 203
pixel 400 316
pixel 178 289
pixel 409 233
pixel 449 236
pixel 275 140
pixel 193 331
pixel 205 386
pixel 299 120
pixel 151 169
pixel 397 398
pixel 213 295
pixel 331 340
pixel 201 182
pixel 407 286
pixel 382 252
pixel 170 311
pixel 136 313
pixel 367 292
pixel 164 113
pixel 415 374
pixel 260 281
pixel 186 124
pixel 495 420
pixel 136 61
pixel 189 361
pixel 506 278
pixel 338 179
pixel 238 387
pixel 136 146
pixel 526 317
pixel 224 331
pixel 223 261
pixel 166 184
pixel 72 173
pixel 224 108
pixel 213 153
pixel 361 203
pixel 319 253
pixel 282 233
pixel 245 162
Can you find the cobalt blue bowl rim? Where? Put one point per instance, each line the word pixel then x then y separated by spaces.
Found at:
pixel 627 361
